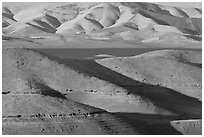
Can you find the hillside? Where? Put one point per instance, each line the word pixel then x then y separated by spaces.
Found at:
pixel 178 70
pixel 147 22
pixel 69 77
pixel 52 84
pixel 101 68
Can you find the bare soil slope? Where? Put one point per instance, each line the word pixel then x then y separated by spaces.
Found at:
pixel 71 77
pixel 50 88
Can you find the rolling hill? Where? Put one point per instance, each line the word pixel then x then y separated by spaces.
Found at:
pixel 93 19
pixel 101 68
pixel 51 87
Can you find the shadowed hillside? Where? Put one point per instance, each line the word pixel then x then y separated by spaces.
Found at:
pixel 69 80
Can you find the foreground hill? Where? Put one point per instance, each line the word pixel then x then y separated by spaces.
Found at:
pixel 175 69
pixel 30 106
pixel 144 22
pixel 71 76
pixel 42 93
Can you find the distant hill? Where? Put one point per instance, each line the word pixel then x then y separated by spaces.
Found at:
pixel 149 22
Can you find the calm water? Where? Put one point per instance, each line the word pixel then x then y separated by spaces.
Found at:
pixel 90 53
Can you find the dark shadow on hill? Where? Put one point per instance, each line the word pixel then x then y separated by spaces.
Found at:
pixel 158 21
pixel 194 37
pixel 44 89
pixel 8 16
pixel 199 10
pixel 162 97
pixel 195 64
pixel 54 21
pixel 182 12
pixel 191 32
pixel 184 25
pixel 146 6
pixel 52 93
pixel 149 124
pixel 47 28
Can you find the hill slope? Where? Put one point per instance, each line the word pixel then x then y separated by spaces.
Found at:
pixel 178 70
pixel 93 19
pixel 72 79
pixel 51 88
